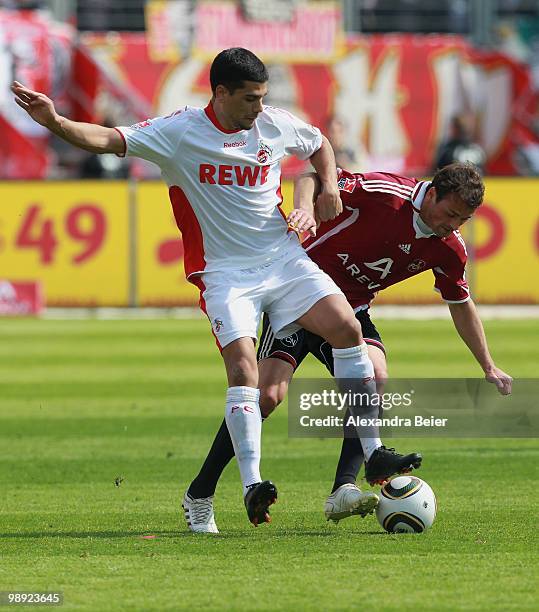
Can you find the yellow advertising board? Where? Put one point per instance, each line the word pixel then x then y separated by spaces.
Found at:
pixel 106 244
pixel 73 237
pixel 160 274
pixel 505 233
pixel 503 250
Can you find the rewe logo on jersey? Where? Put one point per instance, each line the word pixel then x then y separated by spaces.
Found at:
pixel 406 248
pixel 233 175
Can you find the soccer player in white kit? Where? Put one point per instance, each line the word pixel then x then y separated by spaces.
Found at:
pixel 222 166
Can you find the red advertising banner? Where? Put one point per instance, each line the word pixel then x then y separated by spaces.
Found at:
pixel 314 33
pixel 20 156
pixel 36 51
pixel 45 56
pixel 20 298
pixel 395 94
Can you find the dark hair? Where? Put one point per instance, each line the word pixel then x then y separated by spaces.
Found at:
pixel 463 179
pixel 233 66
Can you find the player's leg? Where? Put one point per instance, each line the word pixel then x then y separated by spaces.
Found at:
pixel 239 434
pixel 244 423
pixel 354 364
pixel 241 374
pixel 233 305
pixel 218 457
pixel 276 363
pixel 278 359
pixel 300 286
pixel 346 498
pixel 352 457
pixel 305 296
pixel 275 375
pixel 333 319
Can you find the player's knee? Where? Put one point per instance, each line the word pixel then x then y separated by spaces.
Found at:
pixel 380 373
pixel 346 333
pixel 270 397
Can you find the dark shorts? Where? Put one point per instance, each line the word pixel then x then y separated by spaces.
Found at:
pixel 297 346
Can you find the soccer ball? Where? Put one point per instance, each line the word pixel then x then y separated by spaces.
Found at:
pixel 407 505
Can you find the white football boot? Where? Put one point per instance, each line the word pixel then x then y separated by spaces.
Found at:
pixel 348 500
pixel 199 514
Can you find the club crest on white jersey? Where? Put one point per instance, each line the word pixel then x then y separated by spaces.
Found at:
pixel 264 152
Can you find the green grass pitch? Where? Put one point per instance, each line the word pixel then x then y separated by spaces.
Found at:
pixel 83 403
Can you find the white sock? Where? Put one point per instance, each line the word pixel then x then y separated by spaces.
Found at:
pixel 354 362
pixel 244 422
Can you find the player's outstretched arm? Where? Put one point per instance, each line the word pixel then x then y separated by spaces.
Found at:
pixel 87 136
pixel 328 203
pixel 468 324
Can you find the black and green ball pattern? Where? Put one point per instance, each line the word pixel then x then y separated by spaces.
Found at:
pixel 407 505
pixel 402 522
pixel 392 492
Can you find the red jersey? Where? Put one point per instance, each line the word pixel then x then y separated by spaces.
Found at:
pixel 379 240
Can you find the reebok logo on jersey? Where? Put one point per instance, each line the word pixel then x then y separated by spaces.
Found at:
pixel 239 143
pixel 217 325
pixel 233 175
pixel 406 248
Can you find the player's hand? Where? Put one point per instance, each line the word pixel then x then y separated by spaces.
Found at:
pixel 503 381
pixel 301 221
pixel 328 203
pixel 37 105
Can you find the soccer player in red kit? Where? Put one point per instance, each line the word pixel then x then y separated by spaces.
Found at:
pixel 391 229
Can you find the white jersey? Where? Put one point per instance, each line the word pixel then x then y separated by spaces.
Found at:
pixel 224 186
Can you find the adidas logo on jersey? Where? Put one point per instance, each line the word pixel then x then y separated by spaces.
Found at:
pixel 406 248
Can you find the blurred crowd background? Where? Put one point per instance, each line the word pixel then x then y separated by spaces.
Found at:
pixel 403 85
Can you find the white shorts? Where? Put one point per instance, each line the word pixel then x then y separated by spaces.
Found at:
pixel 285 289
